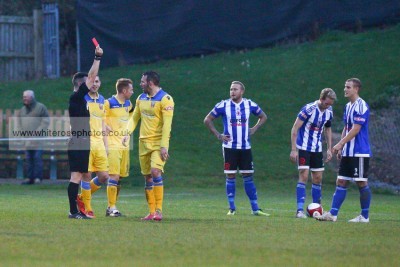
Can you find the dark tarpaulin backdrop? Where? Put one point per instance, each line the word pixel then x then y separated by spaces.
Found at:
pixel 132 31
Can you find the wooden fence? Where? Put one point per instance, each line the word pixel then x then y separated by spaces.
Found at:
pixel 21 47
pixel 54 156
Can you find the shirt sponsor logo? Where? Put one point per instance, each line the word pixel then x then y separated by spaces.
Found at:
pixel 238 122
pixel 359 119
pixel 316 127
pixel 169 108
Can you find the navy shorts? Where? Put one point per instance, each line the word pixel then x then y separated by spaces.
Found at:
pixel 238 159
pixel 310 160
pixel 354 168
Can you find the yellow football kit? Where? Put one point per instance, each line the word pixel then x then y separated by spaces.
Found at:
pixel 156 115
pixel 98 156
pixel 117 118
pixel 98 160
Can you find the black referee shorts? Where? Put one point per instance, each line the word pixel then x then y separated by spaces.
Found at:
pixel 78 154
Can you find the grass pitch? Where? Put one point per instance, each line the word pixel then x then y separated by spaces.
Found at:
pixel 35 231
pixel 195 231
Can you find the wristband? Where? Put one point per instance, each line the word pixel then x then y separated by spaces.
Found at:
pixel 96 57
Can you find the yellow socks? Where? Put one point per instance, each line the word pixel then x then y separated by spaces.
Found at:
pixel 151 201
pixel 112 192
pixel 86 195
pixel 158 192
pixel 118 188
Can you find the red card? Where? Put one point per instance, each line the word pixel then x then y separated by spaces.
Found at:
pixel 96 44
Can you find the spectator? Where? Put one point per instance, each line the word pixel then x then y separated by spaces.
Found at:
pixel 33 116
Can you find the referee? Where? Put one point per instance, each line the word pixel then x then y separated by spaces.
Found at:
pixel 79 143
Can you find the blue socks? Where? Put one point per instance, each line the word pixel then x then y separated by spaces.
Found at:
pixel 340 195
pixel 230 192
pixel 249 188
pixel 316 193
pixel 337 200
pixel 251 191
pixel 301 195
pixel 365 201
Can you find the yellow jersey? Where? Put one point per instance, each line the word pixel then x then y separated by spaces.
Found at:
pixel 95 105
pixel 117 118
pixel 156 115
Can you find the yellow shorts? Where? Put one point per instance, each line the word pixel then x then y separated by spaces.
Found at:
pixel 150 157
pixel 98 161
pixel 119 162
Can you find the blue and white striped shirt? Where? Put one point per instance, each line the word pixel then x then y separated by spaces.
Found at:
pixel 357 113
pixel 310 133
pixel 236 118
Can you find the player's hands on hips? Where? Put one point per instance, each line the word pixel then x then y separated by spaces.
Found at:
pixel 164 153
pixel 294 155
pixel 224 138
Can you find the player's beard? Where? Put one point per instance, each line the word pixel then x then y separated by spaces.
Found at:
pixel 146 90
pixel 234 98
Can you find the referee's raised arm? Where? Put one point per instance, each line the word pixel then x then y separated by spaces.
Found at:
pixel 94 70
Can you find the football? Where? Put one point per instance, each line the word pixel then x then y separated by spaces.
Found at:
pixel 314 209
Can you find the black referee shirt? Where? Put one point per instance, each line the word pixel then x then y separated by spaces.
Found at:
pixel 79 113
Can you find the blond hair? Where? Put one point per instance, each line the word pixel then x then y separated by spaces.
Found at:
pixel 327 92
pixel 122 83
pixel 240 83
